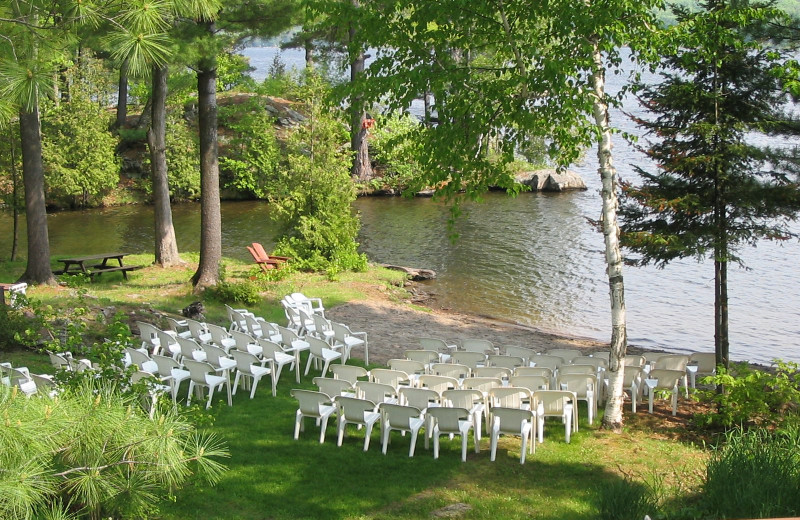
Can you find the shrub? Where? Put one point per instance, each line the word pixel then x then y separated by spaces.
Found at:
pixel 751 397
pixel 246 293
pixel 625 499
pixel 394 148
pixel 14 327
pixel 755 474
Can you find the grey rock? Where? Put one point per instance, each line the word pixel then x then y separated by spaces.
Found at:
pixel 550 179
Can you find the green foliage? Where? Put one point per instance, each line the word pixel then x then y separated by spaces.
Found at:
pixel 232 72
pixel 252 155
pixel 315 207
pixel 92 452
pixel 79 151
pixel 625 499
pixel 14 327
pixel 183 159
pixel 132 135
pixel 752 397
pixel 393 150
pixel 754 474
pixel 246 292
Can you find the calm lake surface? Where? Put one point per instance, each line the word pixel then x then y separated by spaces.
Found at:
pixel 532 259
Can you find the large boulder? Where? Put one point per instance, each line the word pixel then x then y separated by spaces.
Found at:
pixel 549 179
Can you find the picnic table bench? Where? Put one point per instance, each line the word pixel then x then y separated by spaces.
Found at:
pixel 85 265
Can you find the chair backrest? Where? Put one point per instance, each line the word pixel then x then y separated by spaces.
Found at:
pixel 342 332
pixel 166 341
pixel 514 350
pixel 420 398
pixel 376 392
pixel 546 360
pixel 259 249
pixel 424 356
pixel 242 340
pixel 565 353
pixel 398 416
pixel 634 360
pixel 165 364
pixel 706 362
pixel 214 354
pixel 581 384
pixel 253 325
pixel 672 362
pixel 43 384
pixel 321 324
pixel 137 356
pixel 435 344
pixel 333 387
pixel 448 419
pixel 310 401
pixel 533 371
pixel 408 366
pixel 496 360
pixel 603 354
pixel 484 384
pixel 349 373
pixel 270 347
pixel 481 346
pixel 197 328
pixel 532 383
pixel 438 383
pixel 175 325
pixel 509 396
pixel 188 345
pixel 462 398
pixel 632 374
pixel 667 378
pixel 317 345
pixel 59 361
pixel 218 334
pixel 245 361
pixel 451 369
pixel 388 376
pixel 511 420
pixel 552 402
pixel 353 408
pixel 577 369
pixel 498 372
pixel 596 362
pixel 470 359
pixel 198 370
pixel 288 336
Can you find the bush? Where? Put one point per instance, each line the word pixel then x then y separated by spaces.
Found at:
pixel 755 474
pixel 246 293
pixel 625 499
pixel 14 328
pixel 751 397
pixel 394 148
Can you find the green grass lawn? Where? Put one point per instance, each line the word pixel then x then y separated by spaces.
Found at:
pixel 272 476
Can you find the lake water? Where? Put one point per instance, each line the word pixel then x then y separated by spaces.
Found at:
pixel 532 260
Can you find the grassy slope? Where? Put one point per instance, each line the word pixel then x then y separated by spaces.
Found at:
pixel 272 476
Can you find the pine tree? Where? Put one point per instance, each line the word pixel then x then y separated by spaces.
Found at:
pixel 714 191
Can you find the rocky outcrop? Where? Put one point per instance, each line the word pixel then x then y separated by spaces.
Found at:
pixel 550 179
pixel 414 273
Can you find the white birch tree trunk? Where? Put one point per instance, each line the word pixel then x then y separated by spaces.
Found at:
pixel 608 175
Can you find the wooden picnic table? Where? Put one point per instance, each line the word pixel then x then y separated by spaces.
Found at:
pixel 85 265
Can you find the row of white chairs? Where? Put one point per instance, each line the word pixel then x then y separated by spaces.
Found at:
pixel 29 384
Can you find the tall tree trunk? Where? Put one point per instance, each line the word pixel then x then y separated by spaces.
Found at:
pixel 612 419
pixel 210 216
pixel 166 247
pixel 146 115
pixel 122 95
pixel 308 47
pixel 38 269
pixel 14 196
pixel 362 166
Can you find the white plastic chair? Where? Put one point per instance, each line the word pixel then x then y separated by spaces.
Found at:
pixel 320 351
pixel 701 364
pixel 293 343
pixel 323 328
pixel 567 354
pixel 350 373
pixel 413 368
pixel 437 345
pixel 471 359
pixel 179 328
pixel 481 346
pixel 525 353
pixel 334 387
pixel 666 380
pixel 199 331
pixel 534 371
pixel 313 304
pixel 585 389
pixel 236 317
pixel 61 360
pixel 632 383
pixel 400 418
pixel 202 375
pixel 246 343
pixel 555 403
pixel 168 367
pixel 190 349
pixel 423 356
pixel 438 383
pixel 471 400
pixel 532 383
pixel 674 362
pixel 452 421
pixel 169 345
pixel 149 335
pixel 347 339
pixel 495 372
pixel 248 365
pixel 356 411
pixel 454 370
pixel 497 360
pixel 220 337
pixel 515 422
pixel 387 376
pixel 376 392
pixel 315 405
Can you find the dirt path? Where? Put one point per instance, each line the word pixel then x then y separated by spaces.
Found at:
pixel 394 327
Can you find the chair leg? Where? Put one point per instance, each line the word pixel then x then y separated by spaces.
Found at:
pixel 568 426
pixel 308 364
pixel 323 427
pixel 367 434
pixel 298 423
pixel 189 397
pixel 493 440
pixel 254 385
pixel 385 438
pixel 435 444
pixel 236 382
pixel 340 426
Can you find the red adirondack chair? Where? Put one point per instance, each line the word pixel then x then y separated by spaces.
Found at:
pixel 265 260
